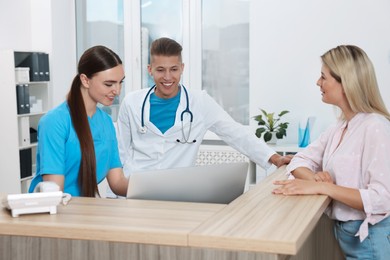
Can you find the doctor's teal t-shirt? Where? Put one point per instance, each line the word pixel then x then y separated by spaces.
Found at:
pixel 163 111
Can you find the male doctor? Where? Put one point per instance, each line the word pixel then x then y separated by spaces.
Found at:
pixel 163 126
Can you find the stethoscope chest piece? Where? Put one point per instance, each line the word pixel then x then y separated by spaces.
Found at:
pixel 142 130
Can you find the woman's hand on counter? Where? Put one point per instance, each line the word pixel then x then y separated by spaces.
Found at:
pixel 297 186
pixel 349 196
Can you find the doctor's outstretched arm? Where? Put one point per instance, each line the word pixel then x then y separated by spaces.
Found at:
pixel 279 160
pixel 238 136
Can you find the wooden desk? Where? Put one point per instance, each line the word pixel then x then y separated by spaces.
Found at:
pixel 257 225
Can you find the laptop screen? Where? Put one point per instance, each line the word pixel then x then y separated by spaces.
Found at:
pixel 219 183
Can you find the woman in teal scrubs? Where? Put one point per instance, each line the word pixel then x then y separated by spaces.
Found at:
pixel 77 146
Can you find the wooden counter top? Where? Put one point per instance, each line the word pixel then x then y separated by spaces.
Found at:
pixel 257 221
pixel 136 221
pixel 261 221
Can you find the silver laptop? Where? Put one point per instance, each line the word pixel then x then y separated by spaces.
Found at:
pixel 219 183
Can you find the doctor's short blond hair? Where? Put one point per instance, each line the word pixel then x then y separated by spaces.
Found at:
pixel 165 47
pixel 352 68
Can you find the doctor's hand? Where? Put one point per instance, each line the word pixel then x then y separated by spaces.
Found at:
pixel 279 160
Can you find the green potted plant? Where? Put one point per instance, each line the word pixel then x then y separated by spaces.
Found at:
pixel 270 125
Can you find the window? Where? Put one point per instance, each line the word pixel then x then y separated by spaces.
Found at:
pixel 214 35
pixel 157 22
pixel 225 55
pixel 100 22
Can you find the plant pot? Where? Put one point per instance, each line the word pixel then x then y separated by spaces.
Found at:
pixel 273 140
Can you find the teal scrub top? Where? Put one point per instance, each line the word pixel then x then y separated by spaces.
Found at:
pixel 59 151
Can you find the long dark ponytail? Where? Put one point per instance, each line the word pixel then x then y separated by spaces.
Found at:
pixel 94 60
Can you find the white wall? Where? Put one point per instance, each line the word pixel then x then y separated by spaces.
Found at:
pixel 15 31
pixel 287 40
pixel 63 61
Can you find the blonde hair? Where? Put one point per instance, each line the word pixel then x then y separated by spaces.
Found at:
pixel 351 67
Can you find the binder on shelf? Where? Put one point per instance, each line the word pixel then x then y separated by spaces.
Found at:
pixel 23 98
pixel 20 98
pixel 25 157
pixel 26 94
pixel 24 131
pixel 44 74
pixel 33 61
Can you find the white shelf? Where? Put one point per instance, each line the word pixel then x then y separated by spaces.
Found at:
pixel 28 146
pixel 32 114
pixel 16 136
pixel 27 178
pixel 36 82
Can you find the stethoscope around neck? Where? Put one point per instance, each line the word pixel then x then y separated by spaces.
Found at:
pixel 185 139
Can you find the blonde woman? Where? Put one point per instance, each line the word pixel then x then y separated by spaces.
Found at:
pixel 350 161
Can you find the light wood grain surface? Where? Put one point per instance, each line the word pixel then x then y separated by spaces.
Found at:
pixel 261 221
pixel 152 222
pixel 257 221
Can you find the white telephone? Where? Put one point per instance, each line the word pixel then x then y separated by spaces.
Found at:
pixel 45 200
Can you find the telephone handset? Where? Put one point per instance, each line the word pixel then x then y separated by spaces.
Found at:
pixel 46 197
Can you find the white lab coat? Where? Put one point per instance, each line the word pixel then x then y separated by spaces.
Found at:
pixel 154 150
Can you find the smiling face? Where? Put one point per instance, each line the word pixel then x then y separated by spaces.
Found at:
pixel 332 90
pixel 166 72
pixel 103 86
